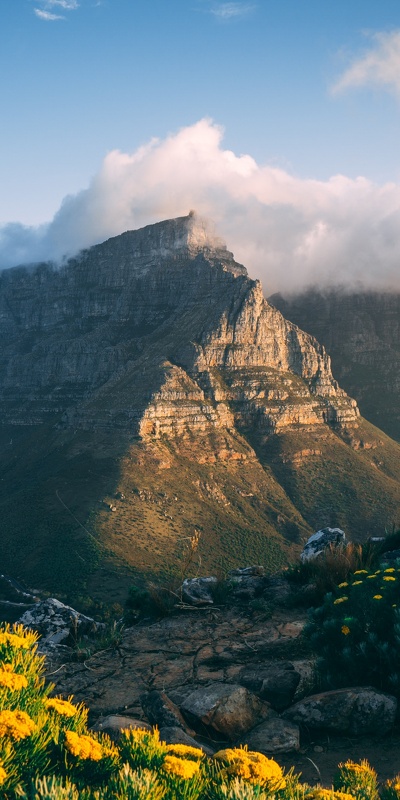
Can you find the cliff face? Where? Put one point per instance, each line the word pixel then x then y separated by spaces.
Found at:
pixel 168 294
pixel 147 389
pixel 361 331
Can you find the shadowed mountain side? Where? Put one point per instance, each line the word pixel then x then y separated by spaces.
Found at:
pixel 361 332
pixel 148 390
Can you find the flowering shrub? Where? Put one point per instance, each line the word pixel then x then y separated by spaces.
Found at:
pixel 356 631
pixel 360 780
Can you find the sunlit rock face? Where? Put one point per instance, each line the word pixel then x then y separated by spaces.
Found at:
pixel 150 393
pixel 159 331
pixel 361 331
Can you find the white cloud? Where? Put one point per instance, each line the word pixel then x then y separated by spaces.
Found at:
pixel 68 5
pixel 47 15
pixel 378 66
pixel 287 231
pixel 227 11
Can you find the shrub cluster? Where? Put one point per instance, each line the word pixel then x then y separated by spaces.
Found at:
pixel 48 753
pixel 356 631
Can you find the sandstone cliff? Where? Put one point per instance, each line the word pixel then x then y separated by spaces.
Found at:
pixel 361 331
pixel 148 389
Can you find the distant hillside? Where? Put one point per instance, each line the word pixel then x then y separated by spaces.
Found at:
pixel 148 390
pixel 361 332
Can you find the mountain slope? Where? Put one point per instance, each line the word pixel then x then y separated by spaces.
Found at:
pixel 148 390
pixel 361 332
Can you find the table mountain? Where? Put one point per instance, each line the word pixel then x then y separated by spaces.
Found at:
pixel 148 391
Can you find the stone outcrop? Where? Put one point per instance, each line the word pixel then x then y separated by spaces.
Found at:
pixel 356 711
pixel 57 623
pixel 322 540
pixel 361 332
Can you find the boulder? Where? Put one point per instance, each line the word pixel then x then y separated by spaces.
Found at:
pixel 276 683
pixel 247 582
pixel 114 724
pixel 172 735
pixel 57 623
pixel 160 710
pixel 273 736
pixel 358 711
pixel 320 541
pixel 198 591
pixel 228 709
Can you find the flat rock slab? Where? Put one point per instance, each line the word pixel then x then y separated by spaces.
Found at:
pixel 273 736
pixel 358 711
pixel 228 709
pixel 185 651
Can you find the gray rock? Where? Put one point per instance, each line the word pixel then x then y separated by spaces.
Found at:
pixel 57 623
pixel 358 711
pixel 172 735
pixel 277 589
pixel 276 683
pixel 161 710
pixel 198 591
pixel 320 541
pixel 114 724
pixel 273 736
pixel 247 582
pixel 228 709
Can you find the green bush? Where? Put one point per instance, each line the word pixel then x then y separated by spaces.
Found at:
pixel 356 632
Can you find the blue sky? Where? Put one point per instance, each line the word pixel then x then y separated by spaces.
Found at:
pixel 308 87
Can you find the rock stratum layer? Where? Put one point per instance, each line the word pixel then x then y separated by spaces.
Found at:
pixel 361 331
pixel 148 390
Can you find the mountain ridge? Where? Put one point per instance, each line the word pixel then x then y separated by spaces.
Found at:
pixel 151 368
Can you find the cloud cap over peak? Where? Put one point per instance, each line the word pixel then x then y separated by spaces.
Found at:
pixel 288 231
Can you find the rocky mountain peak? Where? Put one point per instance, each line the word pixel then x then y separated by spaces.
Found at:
pixel 149 377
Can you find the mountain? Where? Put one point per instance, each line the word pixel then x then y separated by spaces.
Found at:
pixel 361 332
pixel 149 391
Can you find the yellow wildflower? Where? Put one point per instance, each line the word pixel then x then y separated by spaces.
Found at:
pixel 357 583
pixel 377 597
pixel 63 707
pixel 361 572
pixel 363 768
pixel 13 640
pixel 345 630
pixel 327 794
pixel 343 796
pixel 180 767
pixel 84 747
pixel 16 724
pixel 390 569
pixel 138 734
pixel 342 585
pixel 11 680
pixel 185 751
pixel 371 576
pixel 3 775
pixel 389 578
pixel 253 767
pixel 340 600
